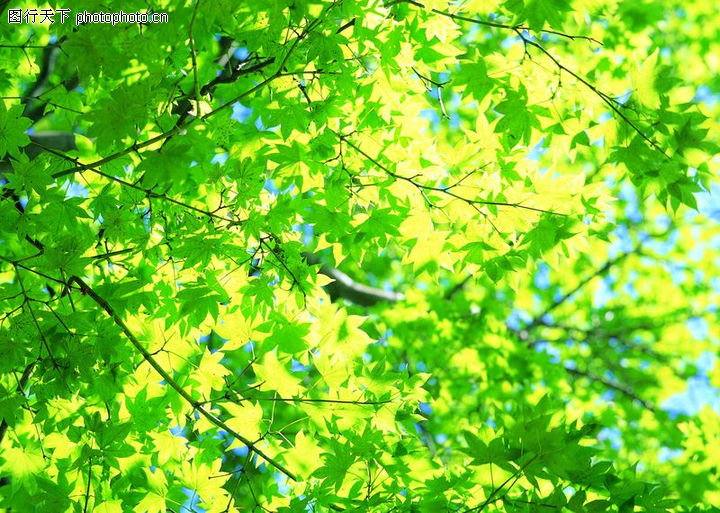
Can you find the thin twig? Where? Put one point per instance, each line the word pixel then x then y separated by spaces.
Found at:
pixel 443 190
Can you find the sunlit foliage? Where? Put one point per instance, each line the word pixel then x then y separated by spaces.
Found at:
pixel 304 255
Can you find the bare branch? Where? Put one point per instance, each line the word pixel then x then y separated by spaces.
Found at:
pixel 345 287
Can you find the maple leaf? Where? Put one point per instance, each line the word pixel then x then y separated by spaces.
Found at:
pixel 12 130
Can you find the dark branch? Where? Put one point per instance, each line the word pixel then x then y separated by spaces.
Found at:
pixel 196 406
pixel 611 385
pixel 423 188
pixel 493 24
pixel 347 288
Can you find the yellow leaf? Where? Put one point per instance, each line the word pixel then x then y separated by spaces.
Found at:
pixel 323 280
pixel 236 328
pixel 643 80
pixel 205 479
pixel 245 418
pixel 151 503
pixel 21 463
pixel 113 506
pixel 273 375
pixel 169 447
pixel 305 455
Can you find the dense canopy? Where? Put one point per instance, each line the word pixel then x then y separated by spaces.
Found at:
pixel 303 255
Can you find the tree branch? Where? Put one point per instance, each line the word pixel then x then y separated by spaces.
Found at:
pixel 347 288
pixel 604 97
pixel 196 406
pixel 493 24
pixel 598 272
pixel 22 383
pixel 178 128
pixel 611 385
pixel 518 29
pixel 442 190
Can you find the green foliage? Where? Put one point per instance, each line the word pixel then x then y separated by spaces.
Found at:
pixel 13 127
pixel 315 255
